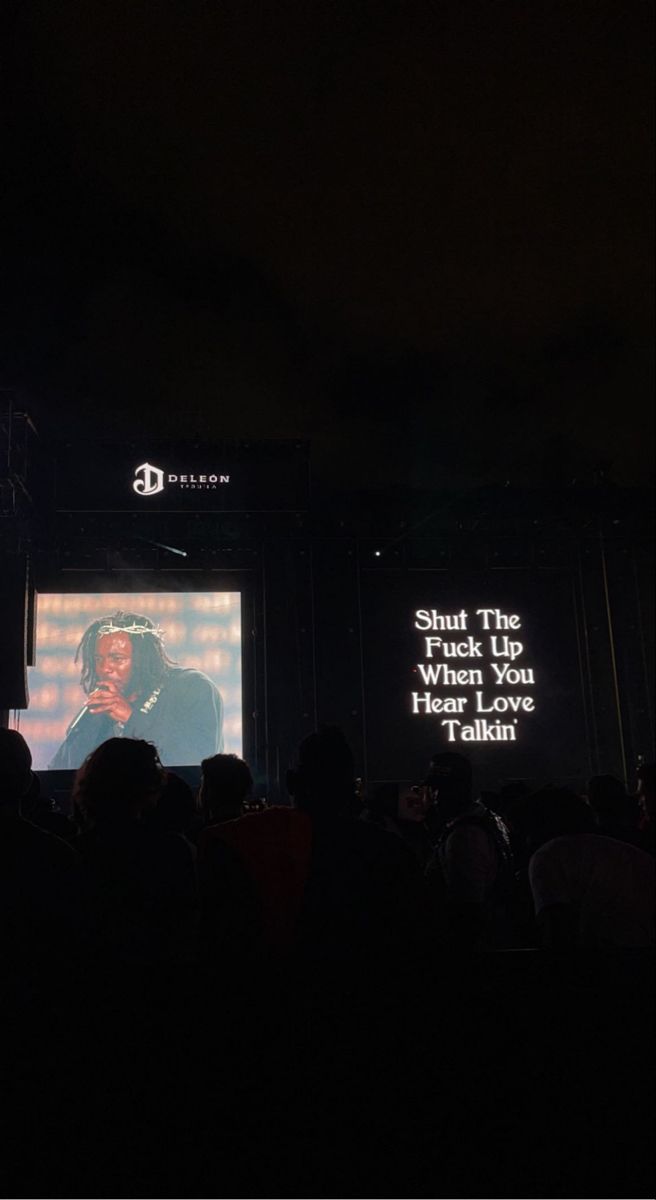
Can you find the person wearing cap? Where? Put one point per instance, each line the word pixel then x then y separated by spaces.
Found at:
pixel 133 689
pixel 471 866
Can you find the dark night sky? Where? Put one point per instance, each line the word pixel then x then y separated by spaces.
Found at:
pixel 418 234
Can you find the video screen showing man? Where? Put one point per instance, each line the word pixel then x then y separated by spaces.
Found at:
pixel 134 689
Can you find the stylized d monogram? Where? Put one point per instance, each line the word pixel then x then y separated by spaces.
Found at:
pixel 149 480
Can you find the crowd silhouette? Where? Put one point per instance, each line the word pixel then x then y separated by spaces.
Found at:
pixel 408 988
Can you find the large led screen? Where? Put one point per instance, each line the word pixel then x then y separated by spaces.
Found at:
pixel 482 664
pixel 163 666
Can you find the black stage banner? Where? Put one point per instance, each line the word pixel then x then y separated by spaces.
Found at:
pixel 183 477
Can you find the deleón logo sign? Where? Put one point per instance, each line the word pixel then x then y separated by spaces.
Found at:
pixel 150 480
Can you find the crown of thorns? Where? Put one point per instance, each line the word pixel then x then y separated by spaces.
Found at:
pixel 109 627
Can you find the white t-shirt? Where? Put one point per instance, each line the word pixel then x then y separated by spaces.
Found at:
pixel 610 885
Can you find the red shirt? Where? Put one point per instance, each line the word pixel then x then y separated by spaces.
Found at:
pixel 274 848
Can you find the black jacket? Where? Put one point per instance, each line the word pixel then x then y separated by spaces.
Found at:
pixel 184 721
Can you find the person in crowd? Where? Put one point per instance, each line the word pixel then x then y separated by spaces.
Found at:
pixel 617 813
pixel 134 690
pixel 253 868
pixel 42 811
pixel 140 883
pixel 177 809
pixel 588 890
pixel 471 867
pixel 401 809
pixel 39 872
pixel 365 896
pixel 226 784
pixel 507 803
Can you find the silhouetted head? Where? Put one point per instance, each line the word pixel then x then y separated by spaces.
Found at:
pixel 511 793
pixel 226 781
pixel 608 799
pixel 323 783
pixel 509 804
pixel 119 781
pixel 126 649
pixel 554 812
pixel 15 768
pixel 177 810
pixel 449 780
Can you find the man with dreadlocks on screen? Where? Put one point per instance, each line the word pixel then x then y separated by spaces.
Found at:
pixel 133 689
